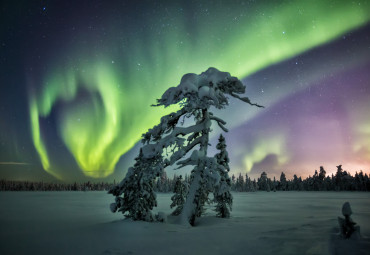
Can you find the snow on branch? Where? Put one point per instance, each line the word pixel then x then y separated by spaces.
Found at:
pixel 220 122
pixel 151 150
pixel 166 124
pixel 205 90
pixel 179 154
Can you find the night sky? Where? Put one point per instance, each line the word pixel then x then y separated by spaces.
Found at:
pixel 78 78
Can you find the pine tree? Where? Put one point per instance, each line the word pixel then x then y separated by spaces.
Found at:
pixel 195 95
pixel 135 196
pixel 239 186
pixel 283 182
pixel 223 197
pixel 247 183
pixel 178 199
pixel 262 182
pixel 322 174
pixel 295 182
pixel 268 186
pixel 367 182
pixel 255 184
pixel 339 178
pixel 315 181
pixel 233 183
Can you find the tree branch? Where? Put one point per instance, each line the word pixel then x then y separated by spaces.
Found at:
pixel 245 99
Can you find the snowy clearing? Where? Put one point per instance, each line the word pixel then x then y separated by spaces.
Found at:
pixel 261 223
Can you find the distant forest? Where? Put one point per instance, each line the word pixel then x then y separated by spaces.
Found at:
pixel 341 181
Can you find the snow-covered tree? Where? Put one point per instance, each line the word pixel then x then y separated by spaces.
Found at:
pixel 195 95
pixel 135 196
pixel 178 199
pixel 222 194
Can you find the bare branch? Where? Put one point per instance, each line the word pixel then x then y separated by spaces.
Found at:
pixel 245 99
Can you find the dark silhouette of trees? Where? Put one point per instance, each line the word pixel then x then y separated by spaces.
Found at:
pixel 359 182
pixel 341 181
pixel 6 185
pixel 283 185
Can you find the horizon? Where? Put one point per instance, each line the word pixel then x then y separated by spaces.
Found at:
pixel 171 174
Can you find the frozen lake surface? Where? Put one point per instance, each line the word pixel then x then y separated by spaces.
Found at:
pixel 261 223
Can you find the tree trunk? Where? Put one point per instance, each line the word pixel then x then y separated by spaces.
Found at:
pixel 188 213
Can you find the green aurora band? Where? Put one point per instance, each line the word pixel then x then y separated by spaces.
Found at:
pixel 123 83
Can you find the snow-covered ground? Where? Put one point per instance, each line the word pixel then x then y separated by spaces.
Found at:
pixel 261 223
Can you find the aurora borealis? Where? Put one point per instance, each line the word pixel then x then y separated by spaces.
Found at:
pixel 78 79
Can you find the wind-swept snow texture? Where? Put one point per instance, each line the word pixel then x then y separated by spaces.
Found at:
pixel 261 223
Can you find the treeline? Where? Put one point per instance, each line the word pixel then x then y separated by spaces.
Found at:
pixel 341 181
pixel 162 184
pixel 42 186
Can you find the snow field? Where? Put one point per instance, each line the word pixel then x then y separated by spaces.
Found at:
pixel 261 223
